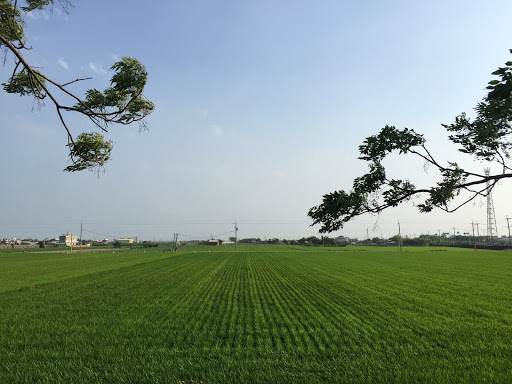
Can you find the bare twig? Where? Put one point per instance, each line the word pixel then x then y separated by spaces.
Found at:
pixel 74 81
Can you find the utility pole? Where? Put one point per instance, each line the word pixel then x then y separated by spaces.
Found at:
pixel 473 226
pixel 508 225
pixel 477 232
pixel 80 237
pixel 492 230
pixel 399 237
pixel 136 244
pixel 236 237
pixel 454 237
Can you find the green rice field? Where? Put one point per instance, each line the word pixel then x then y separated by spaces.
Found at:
pixel 266 314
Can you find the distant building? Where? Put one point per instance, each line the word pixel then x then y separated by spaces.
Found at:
pixel 213 242
pixel 125 241
pixel 14 241
pixel 341 240
pixel 67 240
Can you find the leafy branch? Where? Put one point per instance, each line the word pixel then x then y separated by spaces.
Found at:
pixel 121 103
pixel 486 138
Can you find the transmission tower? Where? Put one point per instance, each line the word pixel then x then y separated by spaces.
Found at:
pixel 492 230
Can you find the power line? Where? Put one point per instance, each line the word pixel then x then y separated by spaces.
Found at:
pixel 102 234
pixel 99 234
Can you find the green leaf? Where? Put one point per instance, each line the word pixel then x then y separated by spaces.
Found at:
pixel 11 22
pixel 36 4
pixel 24 83
pixel 89 151
pixel 123 100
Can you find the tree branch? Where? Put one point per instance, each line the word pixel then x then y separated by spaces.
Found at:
pixel 121 103
pixel 74 81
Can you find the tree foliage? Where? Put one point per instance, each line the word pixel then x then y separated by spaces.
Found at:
pixel 121 103
pixel 485 138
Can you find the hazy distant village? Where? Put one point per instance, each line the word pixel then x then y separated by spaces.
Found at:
pixel 64 240
pixel 69 240
pixel 465 239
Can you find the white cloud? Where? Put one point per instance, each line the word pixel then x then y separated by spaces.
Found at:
pixel 63 63
pixel 115 57
pixel 55 12
pixel 216 130
pixel 98 68
pixel 37 14
pixel 32 15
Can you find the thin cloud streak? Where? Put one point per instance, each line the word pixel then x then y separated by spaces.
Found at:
pixel 63 63
pixel 98 68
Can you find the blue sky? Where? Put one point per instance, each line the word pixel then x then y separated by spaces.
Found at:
pixel 260 109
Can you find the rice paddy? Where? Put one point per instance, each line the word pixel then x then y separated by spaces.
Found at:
pixel 264 314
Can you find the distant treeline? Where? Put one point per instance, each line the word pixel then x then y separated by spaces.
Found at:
pixel 311 240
